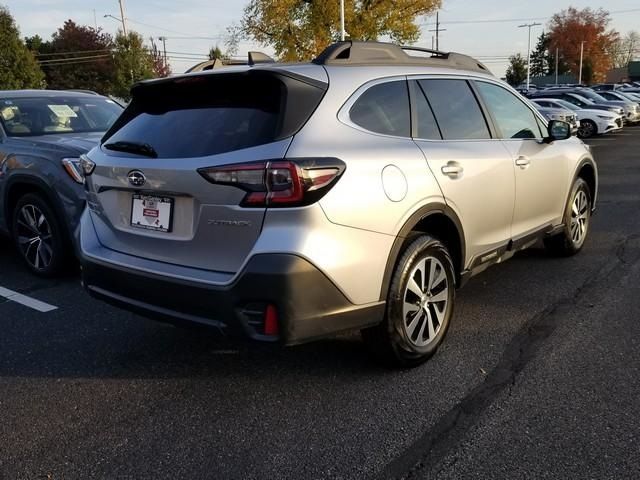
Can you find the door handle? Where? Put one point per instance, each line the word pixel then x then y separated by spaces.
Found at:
pixel 523 161
pixel 451 170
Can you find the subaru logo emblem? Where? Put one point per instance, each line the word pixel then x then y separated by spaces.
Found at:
pixel 136 178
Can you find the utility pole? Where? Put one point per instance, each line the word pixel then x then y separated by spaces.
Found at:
pixel 556 66
pixel 342 32
pixel 95 20
pixel 124 23
pixel 580 72
pixel 529 25
pixel 438 30
pixel 164 49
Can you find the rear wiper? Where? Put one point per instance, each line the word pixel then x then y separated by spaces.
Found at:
pixel 132 147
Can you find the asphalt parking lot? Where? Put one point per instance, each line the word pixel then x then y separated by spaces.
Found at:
pixel 539 378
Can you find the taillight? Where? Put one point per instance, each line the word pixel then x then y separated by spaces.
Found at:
pixel 279 183
pixel 73 169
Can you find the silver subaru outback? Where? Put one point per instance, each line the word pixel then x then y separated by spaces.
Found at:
pixel 288 202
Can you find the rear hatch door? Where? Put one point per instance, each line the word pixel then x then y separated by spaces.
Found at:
pixel 146 196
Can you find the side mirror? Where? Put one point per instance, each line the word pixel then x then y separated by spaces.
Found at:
pixel 558 130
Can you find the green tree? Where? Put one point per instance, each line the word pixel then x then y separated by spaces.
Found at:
pixel 543 59
pixel 216 53
pixel 517 70
pixel 18 66
pixel 300 29
pixel 587 71
pixel 540 57
pixel 77 57
pixel 133 62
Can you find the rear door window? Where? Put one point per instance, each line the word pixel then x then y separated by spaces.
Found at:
pixel 456 109
pixel 426 124
pixel 384 108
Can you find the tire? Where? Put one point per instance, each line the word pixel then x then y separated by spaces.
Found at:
pixel 587 129
pixel 414 326
pixel 39 237
pixel 577 220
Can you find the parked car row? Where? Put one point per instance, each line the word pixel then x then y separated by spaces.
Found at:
pixel 288 202
pixel 596 112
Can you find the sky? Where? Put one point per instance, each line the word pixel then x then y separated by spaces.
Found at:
pixel 485 29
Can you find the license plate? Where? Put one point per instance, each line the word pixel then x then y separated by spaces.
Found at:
pixel 152 213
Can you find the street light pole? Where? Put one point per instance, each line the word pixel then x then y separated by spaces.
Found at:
pixel 556 66
pixel 580 72
pixel 529 25
pixel 124 23
pixel 164 48
pixel 342 32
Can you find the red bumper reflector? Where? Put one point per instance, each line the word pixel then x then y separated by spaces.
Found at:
pixel 271 321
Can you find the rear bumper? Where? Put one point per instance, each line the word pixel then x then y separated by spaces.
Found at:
pixel 308 304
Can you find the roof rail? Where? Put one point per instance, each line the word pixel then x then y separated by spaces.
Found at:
pixel 259 57
pixel 381 53
pixel 254 58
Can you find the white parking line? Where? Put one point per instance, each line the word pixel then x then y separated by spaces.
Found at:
pixel 26 301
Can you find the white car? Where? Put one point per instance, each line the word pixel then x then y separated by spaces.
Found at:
pixel 592 122
pixel 562 114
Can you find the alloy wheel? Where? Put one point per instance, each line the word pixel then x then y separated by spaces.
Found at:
pixel 579 217
pixel 586 130
pixel 34 237
pixel 426 299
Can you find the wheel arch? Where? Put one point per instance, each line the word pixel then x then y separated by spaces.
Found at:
pixel 588 172
pixel 438 220
pixel 20 185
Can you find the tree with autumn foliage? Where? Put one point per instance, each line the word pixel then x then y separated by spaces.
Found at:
pixel 301 29
pixel 77 57
pixel 570 28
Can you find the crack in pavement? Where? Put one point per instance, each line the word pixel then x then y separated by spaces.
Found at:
pixel 435 443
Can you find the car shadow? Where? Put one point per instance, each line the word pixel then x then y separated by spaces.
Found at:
pixel 94 340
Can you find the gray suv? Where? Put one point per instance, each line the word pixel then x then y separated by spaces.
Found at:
pixel 291 202
pixel 42 135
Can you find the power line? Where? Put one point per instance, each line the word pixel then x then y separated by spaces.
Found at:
pixel 72 53
pixel 62 60
pixel 75 62
pixel 513 20
pixel 156 27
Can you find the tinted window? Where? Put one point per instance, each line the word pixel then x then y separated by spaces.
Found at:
pixel 212 114
pixel 384 108
pixel 514 118
pixel 577 100
pixel 591 95
pixel 426 124
pixel 26 117
pixel 456 109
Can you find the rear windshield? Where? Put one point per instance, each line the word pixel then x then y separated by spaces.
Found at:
pixel 33 116
pixel 211 114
